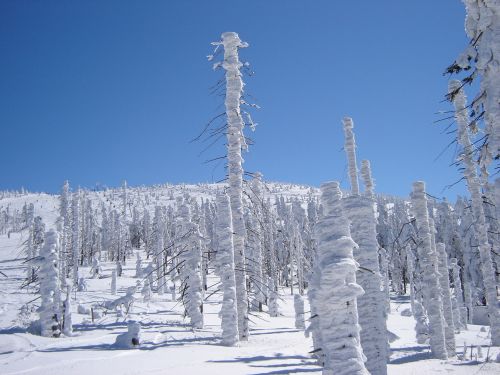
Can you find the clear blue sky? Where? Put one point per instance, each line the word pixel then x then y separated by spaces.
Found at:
pixel 101 91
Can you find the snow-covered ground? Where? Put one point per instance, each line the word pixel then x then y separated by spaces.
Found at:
pixel 169 345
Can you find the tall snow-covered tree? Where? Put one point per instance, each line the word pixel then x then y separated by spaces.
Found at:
pixel 338 290
pixel 235 143
pixel 190 257
pixel 50 312
pixel 429 266
pixel 474 186
pixel 444 281
pixel 372 304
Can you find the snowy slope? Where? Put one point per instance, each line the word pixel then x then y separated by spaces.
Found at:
pixel 168 343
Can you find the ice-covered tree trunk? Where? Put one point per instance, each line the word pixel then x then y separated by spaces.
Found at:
pixel 429 267
pixel 444 281
pixel 480 226
pixel 372 304
pixel 298 304
pixel 225 258
pixel 314 327
pixel 65 231
pixel 235 143
pixel 350 150
pixel 49 286
pixel 159 229
pixel 254 269
pixel 68 322
pixel 459 309
pixel 138 266
pixel 113 282
pixel 75 235
pixel 338 290
pixel 411 272
pixel 191 267
pixel 384 271
pixel 421 323
pixel 273 298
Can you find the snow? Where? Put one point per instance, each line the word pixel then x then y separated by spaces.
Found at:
pixel 168 344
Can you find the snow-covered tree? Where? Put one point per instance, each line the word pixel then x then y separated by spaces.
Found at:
pixel 338 290
pixel 474 186
pixel 461 310
pixel 444 281
pixel 298 304
pixel 68 321
pixel 429 266
pixel 225 258
pixel 190 275
pixel 482 55
pixel 159 232
pixel 360 210
pixel 50 312
pixel 113 282
pixel 75 235
pixel 235 143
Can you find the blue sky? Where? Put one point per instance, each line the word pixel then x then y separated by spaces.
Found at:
pixel 101 91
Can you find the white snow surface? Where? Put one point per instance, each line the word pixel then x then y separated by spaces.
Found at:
pixel 168 344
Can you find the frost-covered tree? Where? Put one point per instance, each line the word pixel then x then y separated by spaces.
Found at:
pixel 444 281
pixel 190 270
pixel 482 55
pixel 225 258
pixel 34 244
pixel 272 298
pixel 159 232
pixel 429 266
pixel 75 235
pixel 50 312
pixel 298 304
pixel 338 290
pixel 235 143
pixel 474 186
pixel 68 321
pixel 360 210
pixel 113 282
pixel 461 310
pixel 138 266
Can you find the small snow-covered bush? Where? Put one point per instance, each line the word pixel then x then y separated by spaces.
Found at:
pixel 131 338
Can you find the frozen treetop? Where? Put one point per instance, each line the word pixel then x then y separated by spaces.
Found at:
pixel 330 193
pixel 350 150
pixel 419 187
pixel 366 173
